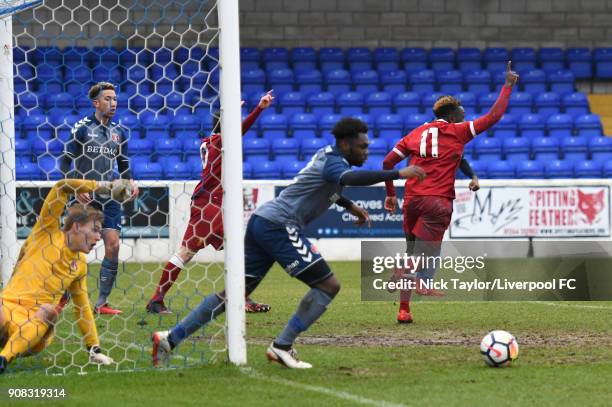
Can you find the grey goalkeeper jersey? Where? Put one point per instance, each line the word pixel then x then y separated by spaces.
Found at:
pixel 93 149
pixel 315 188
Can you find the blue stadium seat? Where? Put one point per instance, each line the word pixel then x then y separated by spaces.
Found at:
pixel 28 100
pixel 186 126
pixel 309 82
pixel 303 126
pixel 191 145
pixel 331 58
pixel 102 73
pixel 523 59
pixel 253 81
pixel 562 82
pixel 530 169
pixel 327 123
pixel 378 103
pixel 49 167
pixel 131 123
pixel 495 59
pixel 263 169
pixel 488 148
pixel 247 171
pixel 516 149
pixel 506 128
pixel 23 147
pixel 602 59
pixel 365 81
pixel 26 170
pixel 479 168
pixel 378 146
pixel 36 126
pixel 520 103
pixel 350 103
pixel 406 103
pixel 468 101
pixel 534 82
pixel 498 79
pixel 78 73
pixel 303 59
pixel 478 82
pixel 412 121
pixel 393 82
pixel 575 104
pixel 574 148
pixel 559 169
pixel 167 146
pixel 374 162
pixel 146 170
pixel 309 146
pixel 273 126
pixel 442 59
pixel 140 146
pixel 390 126
pixel 560 125
pixel 547 104
pixel 587 169
pixel 156 102
pixel 176 103
pixel 579 61
pixel 414 59
pixel 157 127
pixel 275 58
pixel 469 59
pixel 285 148
pixel 532 126
pixel 500 170
pixel 250 58
pixel 486 100
pixel 321 103
pixel 359 59
pixel 281 80
pixel 423 82
pixel 338 81
pixel 551 59
pixel 292 103
pixel 290 169
pixel 177 171
pixel 600 149
pixel 588 125
pixel 545 148
pixel 48 73
pixel 386 59
pixel 256 149
pixel 428 100
pixel 74 56
pixel 366 118
pixel 606 170
pixel 450 81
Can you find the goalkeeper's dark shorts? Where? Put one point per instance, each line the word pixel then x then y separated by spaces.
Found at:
pixel 267 242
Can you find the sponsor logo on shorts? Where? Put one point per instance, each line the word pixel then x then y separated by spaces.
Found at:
pixel 291 266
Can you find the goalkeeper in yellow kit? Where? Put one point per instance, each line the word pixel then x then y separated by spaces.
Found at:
pixel 52 260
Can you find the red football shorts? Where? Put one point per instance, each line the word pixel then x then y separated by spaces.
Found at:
pixel 427 217
pixel 205 224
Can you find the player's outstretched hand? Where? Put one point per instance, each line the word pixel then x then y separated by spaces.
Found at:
pixel 266 100
pixel 391 204
pixel 511 76
pixel 119 190
pixel 474 184
pixel 362 215
pixel 83 198
pixel 412 171
pixel 96 356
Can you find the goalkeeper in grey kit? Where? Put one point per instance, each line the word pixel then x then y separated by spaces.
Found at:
pixel 95 145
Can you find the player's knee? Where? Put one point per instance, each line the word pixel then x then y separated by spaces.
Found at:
pixel 47 314
pixel 330 286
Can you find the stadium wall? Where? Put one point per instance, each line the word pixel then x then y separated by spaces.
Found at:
pixel 258 192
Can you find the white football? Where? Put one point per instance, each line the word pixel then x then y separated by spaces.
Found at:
pixel 499 348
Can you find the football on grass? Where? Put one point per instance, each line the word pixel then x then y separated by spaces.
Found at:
pixel 499 348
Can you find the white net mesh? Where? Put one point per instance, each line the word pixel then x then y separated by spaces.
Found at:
pixel 163 60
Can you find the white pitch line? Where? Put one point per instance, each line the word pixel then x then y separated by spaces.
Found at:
pixel 249 371
pixel 554 304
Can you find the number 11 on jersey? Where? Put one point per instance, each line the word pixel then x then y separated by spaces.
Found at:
pixel 434 142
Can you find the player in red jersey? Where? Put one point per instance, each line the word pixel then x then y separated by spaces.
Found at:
pixel 437 147
pixel 206 220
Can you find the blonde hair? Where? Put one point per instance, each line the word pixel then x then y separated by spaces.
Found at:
pixel 444 105
pixel 81 214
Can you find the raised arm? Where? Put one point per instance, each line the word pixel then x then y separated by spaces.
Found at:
pixel 264 103
pixel 56 200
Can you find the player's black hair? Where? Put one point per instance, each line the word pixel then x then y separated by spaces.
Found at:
pixel 97 89
pixel 446 106
pixel 349 127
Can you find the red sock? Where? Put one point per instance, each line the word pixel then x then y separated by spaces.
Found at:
pixel 168 277
pixel 405 300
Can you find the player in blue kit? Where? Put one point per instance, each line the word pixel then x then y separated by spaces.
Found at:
pixel 274 234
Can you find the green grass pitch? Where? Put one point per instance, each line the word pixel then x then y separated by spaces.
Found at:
pixel 361 356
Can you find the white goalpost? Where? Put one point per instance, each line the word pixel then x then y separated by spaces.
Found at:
pixel 168 59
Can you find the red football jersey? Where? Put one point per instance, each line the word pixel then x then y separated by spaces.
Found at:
pixel 436 147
